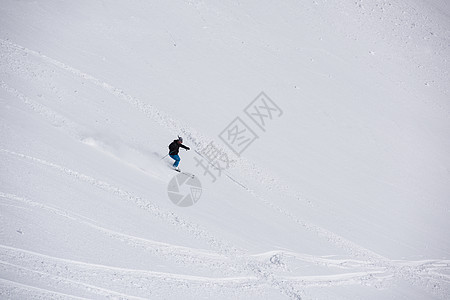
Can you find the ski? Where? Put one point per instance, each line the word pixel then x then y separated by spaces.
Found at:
pixel 185 173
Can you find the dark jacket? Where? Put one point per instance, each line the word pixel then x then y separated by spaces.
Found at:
pixel 174 147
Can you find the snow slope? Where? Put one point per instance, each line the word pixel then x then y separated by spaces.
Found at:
pixel 344 195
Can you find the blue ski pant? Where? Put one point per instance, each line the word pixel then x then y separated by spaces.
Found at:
pixel 177 160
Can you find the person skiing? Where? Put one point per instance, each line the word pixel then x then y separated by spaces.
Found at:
pixel 173 151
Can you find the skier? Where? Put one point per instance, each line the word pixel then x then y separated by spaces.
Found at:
pixel 173 151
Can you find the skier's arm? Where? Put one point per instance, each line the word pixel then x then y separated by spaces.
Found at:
pixel 185 147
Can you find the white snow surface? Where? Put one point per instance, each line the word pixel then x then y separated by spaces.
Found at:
pixel 345 195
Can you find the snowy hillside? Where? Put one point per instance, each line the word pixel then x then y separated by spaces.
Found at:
pixel 319 135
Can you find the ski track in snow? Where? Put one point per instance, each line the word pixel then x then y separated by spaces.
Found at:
pixel 52 117
pixel 132 283
pixel 30 271
pixel 151 112
pixel 168 217
pixel 429 275
pixel 262 270
pixel 177 253
pixel 12 289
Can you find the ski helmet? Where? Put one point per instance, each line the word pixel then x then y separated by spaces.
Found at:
pixel 180 139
